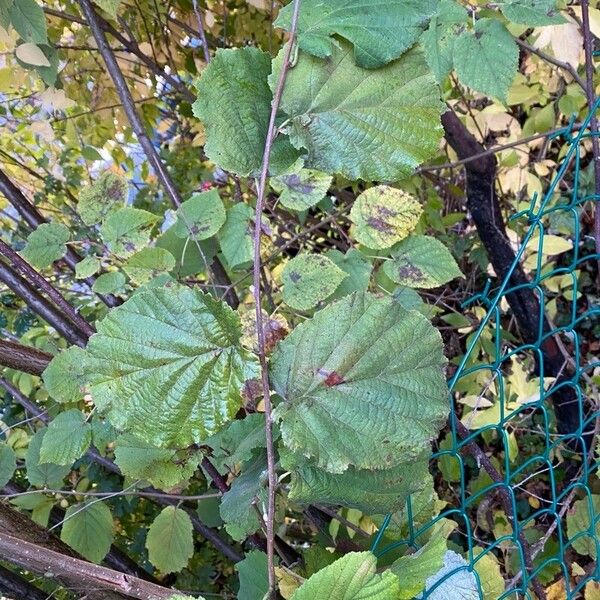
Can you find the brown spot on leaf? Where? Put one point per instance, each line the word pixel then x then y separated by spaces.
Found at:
pixel 379 224
pixel 295 276
pixel 409 271
pixel 334 379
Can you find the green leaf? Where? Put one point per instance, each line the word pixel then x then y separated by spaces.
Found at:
pixel 421 261
pixel 409 299
pixel 8 463
pixel 109 283
pixel 379 32
pixel 237 509
pixel 162 467
pixel 299 191
pixel 372 492
pixel 191 258
pixel 5 6
pixel 234 444
pixel 64 377
pixel 67 438
pixel 88 529
pixel 109 6
pixel 46 244
pixel 384 215
pixel 357 266
pixel 438 40
pixel 201 216
pixel 413 570
pixel 87 267
pixel 371 125
pixel 253 576
pixel 27 17
pixel 456 581
pixel 148 263
pixel 170 541
pixel 486 58
pixel 583 525
pixel 348 400
pixel 490 575
pixel 49 73
pixel 127 230
pixel 106 195
pixel 167 366
pixel 234 103
pixel 351 577
pixel 309 279
pixel 235 237
pixel 90 153
pixel 43 474
pixel 533 13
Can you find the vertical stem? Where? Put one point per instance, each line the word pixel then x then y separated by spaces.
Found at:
pixel 588 45
pixel 260 332
pixel 201 31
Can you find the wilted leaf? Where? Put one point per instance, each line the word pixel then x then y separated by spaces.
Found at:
pixel 332 366
pixel 88 529
pixel 127 230
pixel 184 368
pixel 379 32
pixel 170 541
pixel 32 55
pixel 371 125
pixel 384 215
pixel 309 279
pixel 46 244
pixel 421 261
pixel 301 190
pixel 106 195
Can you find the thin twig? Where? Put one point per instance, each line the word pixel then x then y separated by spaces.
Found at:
pixel 201 31
pixel 260 332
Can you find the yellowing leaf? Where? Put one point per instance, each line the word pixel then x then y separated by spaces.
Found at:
pixel 32 55
pixel 565 40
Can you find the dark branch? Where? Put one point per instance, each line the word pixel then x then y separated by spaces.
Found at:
pixel 17 587
pixel 23 358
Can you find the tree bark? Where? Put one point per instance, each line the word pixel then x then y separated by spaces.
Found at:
pixel 23 358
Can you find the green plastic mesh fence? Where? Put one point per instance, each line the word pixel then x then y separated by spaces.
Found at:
pixel 497 508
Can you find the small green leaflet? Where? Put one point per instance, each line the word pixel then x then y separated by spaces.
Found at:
pixel 254 580
pixel 371 491
pixel 67 438
pixel 109 283
pixel 454 581
pixel 28 19
pixel 162 467
pixel 110 6
pixel 421 261
pixel 170 541
pixel 185 368
pixel 64 377
pixel 8 463
pixel 486 58
pixel 379 31
pixel 371 125
pixel 88 529
pixel 43 474
pixel 309 279
pixel 191 258
pixel 234 103
pixel 413 570
pixel 46 244
pixel 301 190
pixel 348 401
pixel 106 195
pixel 201 216
pixel 384 215
pixel 351 577
pixel 583 526
pixel 127 230
pixel 438 40
pixel 533 13
pixel 87 267
pixel 237 509
pixel 235 237
pixel 357 266
pixel 148 263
